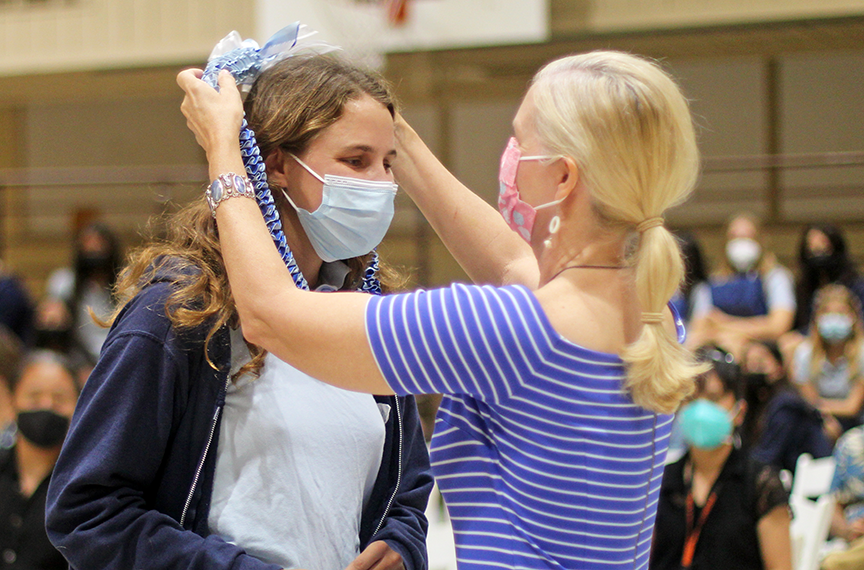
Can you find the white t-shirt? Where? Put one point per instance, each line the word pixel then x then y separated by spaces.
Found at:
pixel 832 381
pixel 295 465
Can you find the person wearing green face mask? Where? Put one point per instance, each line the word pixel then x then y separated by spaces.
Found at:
pixel 719 507
pixel 828 365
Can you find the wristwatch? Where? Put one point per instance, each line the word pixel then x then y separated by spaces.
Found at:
pixel 228 185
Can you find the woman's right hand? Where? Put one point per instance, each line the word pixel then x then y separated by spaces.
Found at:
pixel 213 116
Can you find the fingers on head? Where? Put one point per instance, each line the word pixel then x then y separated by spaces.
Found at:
pixel 187 75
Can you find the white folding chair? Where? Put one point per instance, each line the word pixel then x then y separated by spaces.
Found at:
pixel 812 476
pixel 809 530
pixel 439 539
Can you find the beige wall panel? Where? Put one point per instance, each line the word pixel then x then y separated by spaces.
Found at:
pixel 94 34
pixel 110 133
pixel 615 15
pixel 11 125
pixel 728 100
pixel 479 133
pixel 821 102
pixel 821 112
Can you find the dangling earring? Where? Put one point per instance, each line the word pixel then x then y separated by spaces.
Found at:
pixel 554 226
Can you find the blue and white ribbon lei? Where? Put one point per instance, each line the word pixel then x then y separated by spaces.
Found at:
pixel 245 60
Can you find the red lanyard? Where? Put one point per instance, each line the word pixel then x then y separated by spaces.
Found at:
pixel 693 532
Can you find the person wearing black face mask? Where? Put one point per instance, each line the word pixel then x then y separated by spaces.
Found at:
pixel 44 393
pixel 822 259
pixel 781 425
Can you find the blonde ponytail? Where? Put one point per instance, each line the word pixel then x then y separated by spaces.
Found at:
pixel 660 371
pixel 626 124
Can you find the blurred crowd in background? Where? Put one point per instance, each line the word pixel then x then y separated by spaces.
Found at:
pixel 785 344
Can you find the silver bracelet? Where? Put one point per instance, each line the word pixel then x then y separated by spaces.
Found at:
pixel 226 186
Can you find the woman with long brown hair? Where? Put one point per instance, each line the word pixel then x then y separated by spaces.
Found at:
pixel 194 449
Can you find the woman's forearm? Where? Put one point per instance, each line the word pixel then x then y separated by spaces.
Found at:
pixel 774 539
pixel 849 406
pixel 321 334
pixel 472 230
pixel 770 326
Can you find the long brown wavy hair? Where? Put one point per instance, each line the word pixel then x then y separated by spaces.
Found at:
pixel 288 106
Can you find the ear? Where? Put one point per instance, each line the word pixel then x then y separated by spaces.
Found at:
pixel 738 420
pixel 568 178
pixel 277 168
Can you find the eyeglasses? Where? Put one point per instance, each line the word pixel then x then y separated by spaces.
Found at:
pixel 715 355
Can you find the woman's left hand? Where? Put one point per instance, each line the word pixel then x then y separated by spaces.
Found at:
pixel 379 556
pixel 213 116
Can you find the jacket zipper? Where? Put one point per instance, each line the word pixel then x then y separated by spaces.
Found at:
pixel 201 462
pixel 399 471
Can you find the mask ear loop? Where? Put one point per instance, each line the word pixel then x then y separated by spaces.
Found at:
pixel 307 167
pixel 290 201
pixel 555 222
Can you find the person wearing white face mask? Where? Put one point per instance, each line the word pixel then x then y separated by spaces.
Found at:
pixel 195 449
pixel 751 297
pixel 828 365
pixel 720 507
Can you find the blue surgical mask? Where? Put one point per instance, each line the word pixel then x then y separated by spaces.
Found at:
pixel 834 327
pixel 353 216
pixel 704 424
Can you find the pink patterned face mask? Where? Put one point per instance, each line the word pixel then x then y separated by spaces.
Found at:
pixel 518 215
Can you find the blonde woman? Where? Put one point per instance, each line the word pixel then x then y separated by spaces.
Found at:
pixel 828 365
pixel 561 375
pixel 752 296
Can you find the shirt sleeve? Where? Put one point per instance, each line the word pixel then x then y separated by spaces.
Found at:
pixel 769 491
pixel 801 363
pixel 60 284
pixel 701 301
pixel 848 482
pixel 780 290
pixel 459 340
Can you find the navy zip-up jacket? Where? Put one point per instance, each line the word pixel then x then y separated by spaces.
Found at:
pixel 132 486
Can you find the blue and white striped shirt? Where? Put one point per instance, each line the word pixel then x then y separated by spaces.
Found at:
pixel 543 459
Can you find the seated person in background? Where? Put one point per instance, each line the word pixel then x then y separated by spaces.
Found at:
pixel 16 308
pixel 822 260
pixel 10 355
pixel 720 508
pixel 44 393
pixel 63 318
pixel 780 424
pixel 752 296
pixel 848 488
pixel 695 282
pixel 828 365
